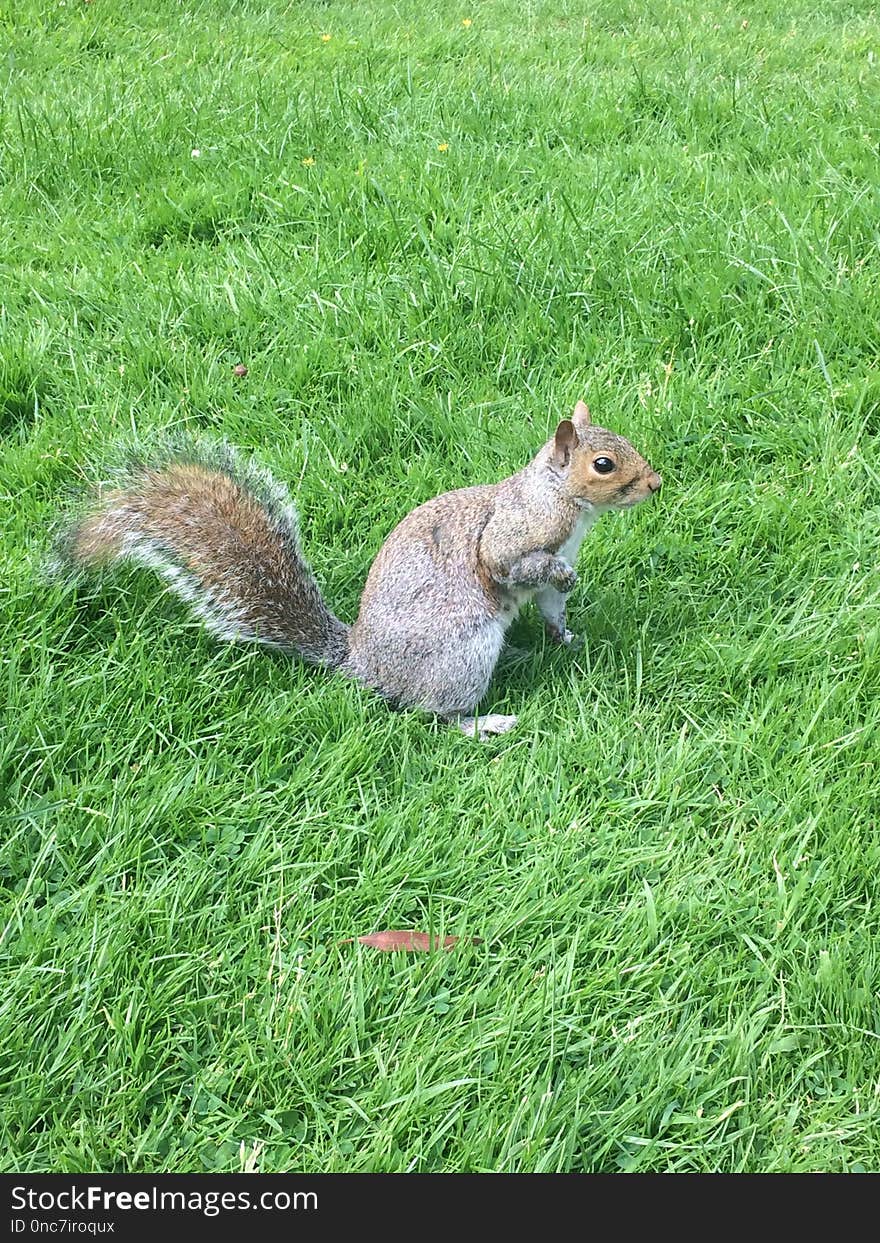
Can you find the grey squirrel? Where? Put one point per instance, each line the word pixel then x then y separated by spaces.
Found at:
pixel 442 591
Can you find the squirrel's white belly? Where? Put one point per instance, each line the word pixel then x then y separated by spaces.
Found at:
pixel 572 546
pixel 514 599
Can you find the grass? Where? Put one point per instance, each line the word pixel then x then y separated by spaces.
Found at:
pixel 426 240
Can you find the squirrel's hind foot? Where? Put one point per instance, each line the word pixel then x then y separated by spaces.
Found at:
pixel 484 726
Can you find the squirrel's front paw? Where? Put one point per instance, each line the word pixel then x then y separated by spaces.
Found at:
pixel 562 636
pixel 565 579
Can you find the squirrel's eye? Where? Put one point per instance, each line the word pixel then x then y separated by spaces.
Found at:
pixel 603 465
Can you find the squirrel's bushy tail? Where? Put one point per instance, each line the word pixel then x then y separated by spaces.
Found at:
pixel 224 536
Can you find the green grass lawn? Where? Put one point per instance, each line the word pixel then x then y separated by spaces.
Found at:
pixel 427 230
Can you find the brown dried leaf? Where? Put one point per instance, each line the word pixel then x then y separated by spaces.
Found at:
pixel 409 941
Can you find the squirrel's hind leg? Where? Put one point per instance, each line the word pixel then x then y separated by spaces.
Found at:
pixel 483 726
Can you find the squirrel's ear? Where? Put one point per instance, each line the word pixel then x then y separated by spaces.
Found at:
pixel 581 416
pixel 564 443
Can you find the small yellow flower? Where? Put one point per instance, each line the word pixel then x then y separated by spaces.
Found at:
pixel 442 146
pixel 326 38
pixel 466 21
pixel 308 161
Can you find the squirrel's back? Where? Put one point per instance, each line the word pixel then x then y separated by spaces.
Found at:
pixel 224 536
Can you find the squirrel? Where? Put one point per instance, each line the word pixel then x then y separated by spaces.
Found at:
pixel 439 596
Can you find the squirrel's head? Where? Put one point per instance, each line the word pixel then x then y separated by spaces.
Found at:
pixel 598 467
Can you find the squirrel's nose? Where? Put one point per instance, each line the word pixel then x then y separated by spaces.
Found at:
pixel 655 483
